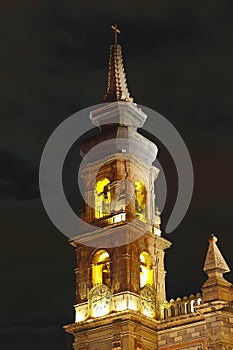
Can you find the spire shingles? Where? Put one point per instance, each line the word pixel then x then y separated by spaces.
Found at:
pixel 117 89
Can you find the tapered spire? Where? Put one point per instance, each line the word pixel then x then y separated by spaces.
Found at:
pixel 117 89
pixel 214 262
pixel 216 287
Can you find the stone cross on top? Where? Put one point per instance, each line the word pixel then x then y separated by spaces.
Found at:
pixel 116 32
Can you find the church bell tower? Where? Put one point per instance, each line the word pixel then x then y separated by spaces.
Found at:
pixel 120 275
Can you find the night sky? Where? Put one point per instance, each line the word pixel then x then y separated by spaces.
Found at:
pixel 53 62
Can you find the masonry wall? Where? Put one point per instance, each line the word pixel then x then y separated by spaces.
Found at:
pixel 213 331
pixel 219 329
pixel 186 336
pixel 129 332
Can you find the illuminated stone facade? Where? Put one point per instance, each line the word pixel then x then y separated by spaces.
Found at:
pixel 120 277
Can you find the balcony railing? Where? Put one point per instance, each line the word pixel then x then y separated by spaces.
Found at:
pixel 180 306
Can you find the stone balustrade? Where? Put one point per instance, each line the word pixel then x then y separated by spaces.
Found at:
pixel 180 306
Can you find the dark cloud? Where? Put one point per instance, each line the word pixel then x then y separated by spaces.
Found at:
pixel 18 178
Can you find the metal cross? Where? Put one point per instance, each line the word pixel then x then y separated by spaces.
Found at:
pixel 117 31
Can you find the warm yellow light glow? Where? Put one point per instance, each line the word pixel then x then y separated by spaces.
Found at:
pixel 81 312
pixel 122 305
pixel 133 305
pixel 102 198
pixel 119 217
pixel 146 270
pixel 100 301
pixel 192 306
pixel 147 313
pixel 80 316
pixel 148 301
pixel 103 256
pixel 127 301
pixel 140 200
pixel 156 231
pixel 101 311
pixel 101 268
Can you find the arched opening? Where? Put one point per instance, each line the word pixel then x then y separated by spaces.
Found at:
pixel 179 308
pixel 186 308
pixel 101 268
pixel 146 270
pixel 140 200
pixel 173 311
pixel 192 305
pixel 102 198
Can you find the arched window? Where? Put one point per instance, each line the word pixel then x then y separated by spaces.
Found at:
pixel 179 308
pixel 146 270
pixel 140 200
pixel 165 313
pixel 101 268
pixel 192 305
pixel 173 311
pixel 102 198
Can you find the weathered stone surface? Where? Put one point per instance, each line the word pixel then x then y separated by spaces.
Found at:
pixel 216 287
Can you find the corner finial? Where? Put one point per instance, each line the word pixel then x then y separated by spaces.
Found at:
pixel 216 287
pixel 116 32
pixel 213 238
pixel 214 260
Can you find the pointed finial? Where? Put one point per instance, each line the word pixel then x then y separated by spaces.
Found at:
pixel 116 32
pixel 117 89
pixel 216 287
pixel 214 259
pixel 213 238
